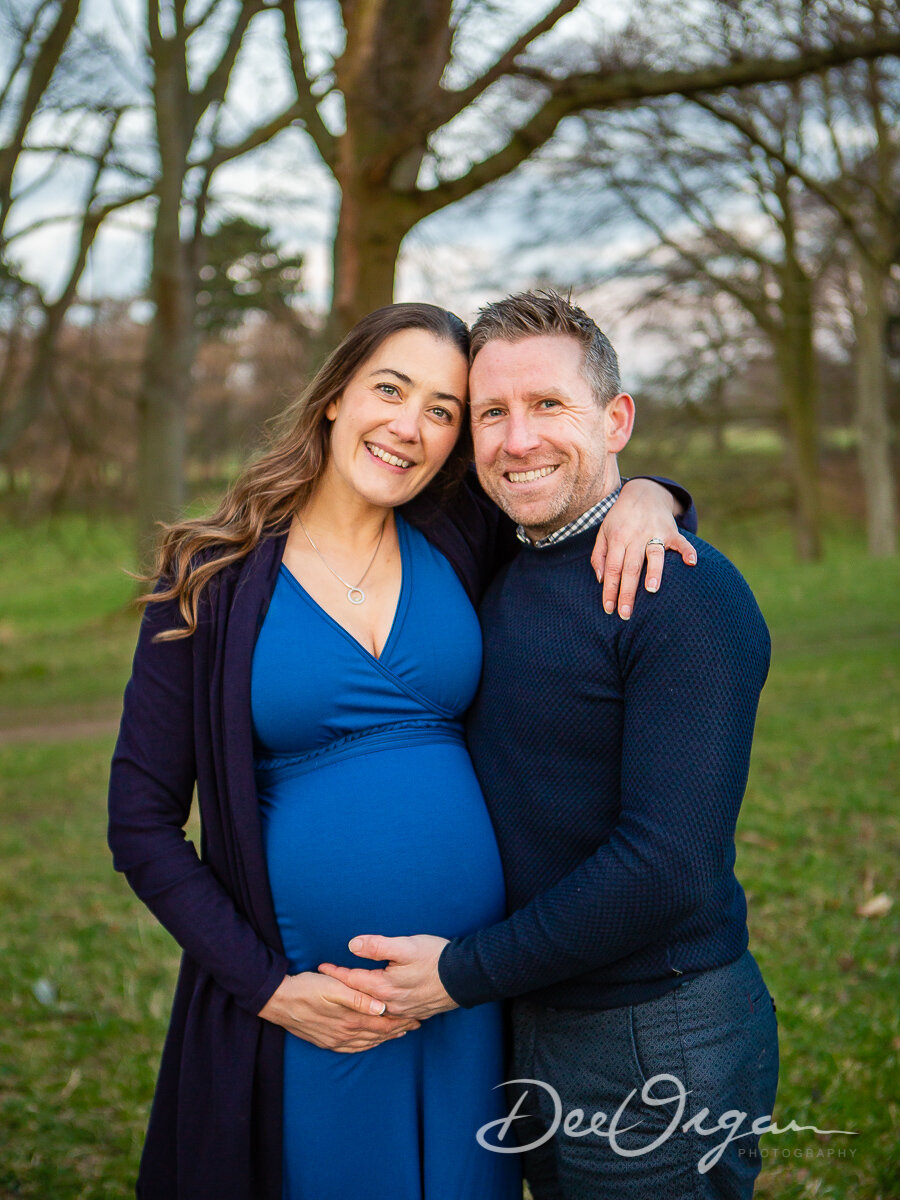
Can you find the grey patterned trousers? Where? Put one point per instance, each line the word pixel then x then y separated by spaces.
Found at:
pixel 714 1040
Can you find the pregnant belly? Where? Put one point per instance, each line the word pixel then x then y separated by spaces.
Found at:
pixel 393 841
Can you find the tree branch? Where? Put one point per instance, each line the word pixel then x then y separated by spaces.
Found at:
pixel 213 91
pixel 42 72
pixel 450 104
pixel 261 135
pixel 596 91
pixel 699 263
pixel 26 33
pixel 580 92
pixel 325 142
pixel 773 151
pixel 191 27
pixel 99 214
pixel 37 383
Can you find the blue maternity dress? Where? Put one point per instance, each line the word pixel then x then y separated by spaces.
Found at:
pixel 373 822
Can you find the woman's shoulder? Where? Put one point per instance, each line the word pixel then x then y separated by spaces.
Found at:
pixel 253 568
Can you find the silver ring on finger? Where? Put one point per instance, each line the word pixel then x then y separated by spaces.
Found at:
pixel 655 542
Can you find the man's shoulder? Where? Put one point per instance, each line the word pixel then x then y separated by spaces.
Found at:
pixel 712 571
pixel 713 591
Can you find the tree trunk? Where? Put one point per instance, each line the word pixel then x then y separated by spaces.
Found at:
pixel 390 73
pixel 872 419
pixel 165 385
pixel 795 355
pixel 366 245
pixel 161 430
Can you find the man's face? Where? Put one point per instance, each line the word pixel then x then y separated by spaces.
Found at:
pixel 544 448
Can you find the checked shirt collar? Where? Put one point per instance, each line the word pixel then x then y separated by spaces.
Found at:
pixel 587 520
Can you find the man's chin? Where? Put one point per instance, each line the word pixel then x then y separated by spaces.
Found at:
pixel 537 512
pixel 537 522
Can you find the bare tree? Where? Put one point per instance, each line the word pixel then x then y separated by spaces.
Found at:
pixel 187 112
pixel 38 42
pixel 726 219
pixel 859 110
pixel 35 389
pixel 41 79
pixel 392 81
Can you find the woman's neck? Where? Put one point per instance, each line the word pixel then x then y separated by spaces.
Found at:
pixel 341 516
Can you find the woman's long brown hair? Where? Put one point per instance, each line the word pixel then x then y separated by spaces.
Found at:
pixel 271 489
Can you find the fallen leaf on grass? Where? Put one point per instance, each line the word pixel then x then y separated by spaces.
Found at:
pixel 756 839
pixel 875 906
pixel 74 1080
pixel 45 992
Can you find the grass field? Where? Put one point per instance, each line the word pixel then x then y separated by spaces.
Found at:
pixel 86 976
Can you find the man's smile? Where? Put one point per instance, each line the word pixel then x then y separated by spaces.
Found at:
pixel 530 475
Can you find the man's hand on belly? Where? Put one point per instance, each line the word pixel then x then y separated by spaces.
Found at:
pixel 330 1014
pixel 410 985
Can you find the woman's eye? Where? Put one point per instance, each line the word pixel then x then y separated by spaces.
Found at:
pixel 388 389
pixel 443 413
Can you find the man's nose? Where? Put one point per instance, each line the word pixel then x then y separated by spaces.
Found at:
pixel 521 437
pixel 404 424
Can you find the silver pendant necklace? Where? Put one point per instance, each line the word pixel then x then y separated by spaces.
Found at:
pixel 355 594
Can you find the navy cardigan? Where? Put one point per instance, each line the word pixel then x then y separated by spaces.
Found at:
pixel 215 1125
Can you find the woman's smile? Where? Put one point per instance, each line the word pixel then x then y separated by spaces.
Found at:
pixel 388 457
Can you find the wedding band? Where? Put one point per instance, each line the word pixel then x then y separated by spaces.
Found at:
pixel 656 542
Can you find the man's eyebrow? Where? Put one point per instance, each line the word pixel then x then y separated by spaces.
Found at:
pixel 406 379
pixel 547 393
pixel 554 392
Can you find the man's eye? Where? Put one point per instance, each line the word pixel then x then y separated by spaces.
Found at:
pixel 491 413
pixel 548 403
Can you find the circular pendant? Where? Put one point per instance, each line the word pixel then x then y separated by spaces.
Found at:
pixel 356 595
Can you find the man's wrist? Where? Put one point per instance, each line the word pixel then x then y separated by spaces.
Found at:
pixel 675 503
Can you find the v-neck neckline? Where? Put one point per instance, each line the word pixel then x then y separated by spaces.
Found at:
pixel 399 610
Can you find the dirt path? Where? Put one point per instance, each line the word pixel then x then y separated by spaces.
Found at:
pixel 60 731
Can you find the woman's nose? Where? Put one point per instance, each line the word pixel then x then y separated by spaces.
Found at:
pixel 404 424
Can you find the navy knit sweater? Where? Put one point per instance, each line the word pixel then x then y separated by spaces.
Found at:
pixel 613 757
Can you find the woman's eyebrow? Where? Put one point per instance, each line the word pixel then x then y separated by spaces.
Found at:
pixel 390 371
pixel 406 379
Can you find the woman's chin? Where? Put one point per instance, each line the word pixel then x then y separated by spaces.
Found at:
pixel 391 493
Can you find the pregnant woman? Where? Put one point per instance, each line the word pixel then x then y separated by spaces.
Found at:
pixel 305 660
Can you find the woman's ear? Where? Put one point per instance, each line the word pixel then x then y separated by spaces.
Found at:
pixel 619 414
pixel 331 410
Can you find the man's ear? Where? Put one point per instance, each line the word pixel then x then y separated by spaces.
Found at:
pixel 619 416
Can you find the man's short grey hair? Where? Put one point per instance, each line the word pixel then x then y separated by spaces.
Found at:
pixel 546 313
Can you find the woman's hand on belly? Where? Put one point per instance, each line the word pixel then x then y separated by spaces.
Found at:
pixel 410 984
pixel 329 1014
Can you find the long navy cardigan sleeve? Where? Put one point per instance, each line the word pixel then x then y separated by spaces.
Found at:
pixel 215 1125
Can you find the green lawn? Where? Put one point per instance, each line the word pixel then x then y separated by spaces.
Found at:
pixel 86 975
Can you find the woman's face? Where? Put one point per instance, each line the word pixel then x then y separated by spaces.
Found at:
pixel 398 418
